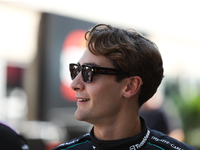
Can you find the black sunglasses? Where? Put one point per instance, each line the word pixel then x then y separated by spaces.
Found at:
pixel 89 70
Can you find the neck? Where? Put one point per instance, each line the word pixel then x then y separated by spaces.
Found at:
pixel 123 128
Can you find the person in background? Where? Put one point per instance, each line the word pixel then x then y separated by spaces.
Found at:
pixel 158 118
pixel 10 139
pixel 119 71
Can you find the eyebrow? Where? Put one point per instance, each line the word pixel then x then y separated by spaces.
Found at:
pixel 91 64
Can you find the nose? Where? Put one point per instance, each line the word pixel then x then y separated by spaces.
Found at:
pixel 77 84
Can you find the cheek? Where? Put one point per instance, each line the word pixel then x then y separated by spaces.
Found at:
pixel 106 92
pixel 108 100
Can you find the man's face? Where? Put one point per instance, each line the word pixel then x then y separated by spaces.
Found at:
pixel 100 100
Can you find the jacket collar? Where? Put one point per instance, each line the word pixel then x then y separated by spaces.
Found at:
pixel 131 143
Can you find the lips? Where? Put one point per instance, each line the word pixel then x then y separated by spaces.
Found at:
pixel 83 100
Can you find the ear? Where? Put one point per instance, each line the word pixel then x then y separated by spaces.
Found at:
pixel 133 86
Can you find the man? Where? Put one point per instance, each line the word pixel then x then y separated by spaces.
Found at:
pixel 118 72
pixel 157 118
pixel 10 139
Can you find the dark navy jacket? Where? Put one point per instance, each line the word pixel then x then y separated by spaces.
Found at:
pixel 10 139
pixel 146 140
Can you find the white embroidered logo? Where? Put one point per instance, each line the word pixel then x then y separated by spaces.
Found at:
pixel 166 142
pixel 93 147
pixel 137 146
pixel 25 147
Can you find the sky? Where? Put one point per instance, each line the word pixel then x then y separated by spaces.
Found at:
pixel 173 25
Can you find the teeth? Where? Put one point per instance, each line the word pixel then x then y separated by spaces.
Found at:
pixel 83 100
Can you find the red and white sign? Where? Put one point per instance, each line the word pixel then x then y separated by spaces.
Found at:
pixel 73 48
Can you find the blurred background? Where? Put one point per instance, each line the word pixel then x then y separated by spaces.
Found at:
pixel 38 39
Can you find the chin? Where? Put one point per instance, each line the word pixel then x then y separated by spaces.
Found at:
pixel 79 115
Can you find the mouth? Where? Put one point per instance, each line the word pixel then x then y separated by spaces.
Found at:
pixel 83 100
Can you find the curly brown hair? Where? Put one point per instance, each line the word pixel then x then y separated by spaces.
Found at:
pixel 130 52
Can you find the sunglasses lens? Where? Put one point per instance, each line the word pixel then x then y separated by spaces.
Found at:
pixel 74 69
pixel 86 73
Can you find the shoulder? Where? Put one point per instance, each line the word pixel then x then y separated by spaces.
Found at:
pixel 10 138
pixel 4 126
pixel 163 141
pixel 83 142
